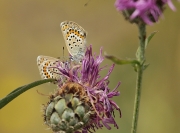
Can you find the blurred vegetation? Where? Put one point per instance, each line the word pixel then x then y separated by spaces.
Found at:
pixel 29 28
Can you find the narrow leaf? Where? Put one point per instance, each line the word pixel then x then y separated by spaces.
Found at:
pixel 137 53
pixel 149 38
pixel 120 61
pixel 15 93
pixel 145 66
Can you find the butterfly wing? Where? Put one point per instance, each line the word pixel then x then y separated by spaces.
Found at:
pixel 48 67
pixel 75 39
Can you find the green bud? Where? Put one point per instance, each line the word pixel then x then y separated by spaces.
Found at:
pixel 69 109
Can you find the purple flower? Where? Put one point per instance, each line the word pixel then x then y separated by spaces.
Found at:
pixel 98 92
pixel 148 11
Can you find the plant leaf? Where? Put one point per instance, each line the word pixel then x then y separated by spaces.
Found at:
pixel 120 61
pixel 149 38
pixel 137 53
pixel 145 66
pixel 15 93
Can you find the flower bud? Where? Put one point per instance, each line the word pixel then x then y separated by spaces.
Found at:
pixel 69 109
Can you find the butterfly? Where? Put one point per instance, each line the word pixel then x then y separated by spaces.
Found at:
pixel 48 67
pixel 75 39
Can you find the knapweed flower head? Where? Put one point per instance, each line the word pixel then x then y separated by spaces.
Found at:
pixel 147 11
pixel 82 102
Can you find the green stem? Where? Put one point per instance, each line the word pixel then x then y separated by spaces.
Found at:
pixel 141 59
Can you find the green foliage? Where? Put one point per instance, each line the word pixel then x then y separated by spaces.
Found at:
pixel 147 40
pixel 120 61
pixel 15 93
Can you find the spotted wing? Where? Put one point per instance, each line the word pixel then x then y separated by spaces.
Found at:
pixel 75 38
pixel 48 67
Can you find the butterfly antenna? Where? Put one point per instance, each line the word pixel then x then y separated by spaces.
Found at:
pixel 63 55
pixel 63 52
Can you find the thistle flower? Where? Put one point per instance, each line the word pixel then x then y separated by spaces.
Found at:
pixel 147 11
pixel 82 102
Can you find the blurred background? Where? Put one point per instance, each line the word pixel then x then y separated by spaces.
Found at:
pixel 29 28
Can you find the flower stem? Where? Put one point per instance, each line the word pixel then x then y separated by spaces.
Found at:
pixel 141 59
